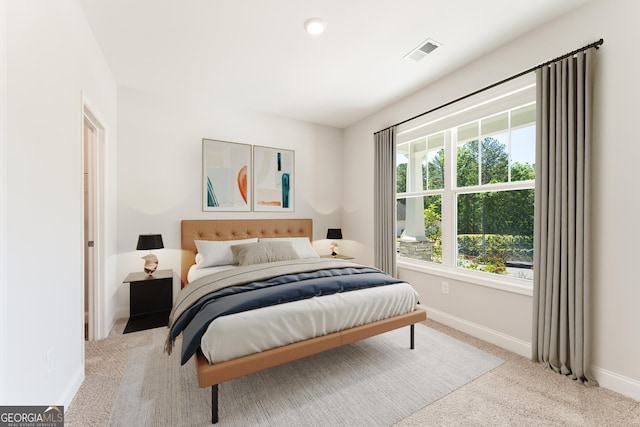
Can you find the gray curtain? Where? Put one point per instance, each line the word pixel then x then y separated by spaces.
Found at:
pixel 561 294
pixel 384 200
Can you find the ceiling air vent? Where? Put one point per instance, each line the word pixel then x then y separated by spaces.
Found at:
pixel 425 48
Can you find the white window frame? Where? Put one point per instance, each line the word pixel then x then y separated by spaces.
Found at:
pixel 513 94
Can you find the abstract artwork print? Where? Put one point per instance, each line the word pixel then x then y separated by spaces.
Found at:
pixel 226 175
pixel 273 189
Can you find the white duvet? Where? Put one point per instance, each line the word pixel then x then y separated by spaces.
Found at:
pixel 236 335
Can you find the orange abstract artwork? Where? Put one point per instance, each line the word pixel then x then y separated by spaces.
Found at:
pixel 269 203
pixel 242 182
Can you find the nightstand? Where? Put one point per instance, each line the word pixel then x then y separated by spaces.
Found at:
pixel 338 256
pixel 151 298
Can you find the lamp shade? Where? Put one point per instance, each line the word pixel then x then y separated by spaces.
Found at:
pixel 334 233
pixel 149 241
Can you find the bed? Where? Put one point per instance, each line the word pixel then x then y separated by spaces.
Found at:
pixel 265 348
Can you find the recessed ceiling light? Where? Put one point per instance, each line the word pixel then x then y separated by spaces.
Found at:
pixel 315 26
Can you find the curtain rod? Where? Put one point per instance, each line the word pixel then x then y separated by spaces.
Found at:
pixel 566 55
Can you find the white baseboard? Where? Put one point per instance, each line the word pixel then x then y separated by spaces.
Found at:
pixel 500 339
pixel 616 382
pixel 72 388
pixel 606 379
pixel 122 313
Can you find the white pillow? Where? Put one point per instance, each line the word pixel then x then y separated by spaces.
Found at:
pixel 302 245
pixel 217 252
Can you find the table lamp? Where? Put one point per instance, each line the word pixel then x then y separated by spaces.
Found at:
pixel 334 234
pixel 149 242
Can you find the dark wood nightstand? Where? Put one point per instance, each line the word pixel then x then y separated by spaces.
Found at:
pixel 151 298
pixel 338 256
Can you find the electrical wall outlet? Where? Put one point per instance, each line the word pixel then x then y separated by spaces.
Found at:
pixel 445 288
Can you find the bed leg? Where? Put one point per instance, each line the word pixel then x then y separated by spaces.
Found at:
pixel 214 404
pixel 413 336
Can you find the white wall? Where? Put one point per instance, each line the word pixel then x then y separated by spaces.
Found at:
pixel 160 171
pixel 51 59
pixel 505 317
pixel 3 201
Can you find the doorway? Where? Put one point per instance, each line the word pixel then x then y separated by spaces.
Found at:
pixel 88 175
pixel 93 214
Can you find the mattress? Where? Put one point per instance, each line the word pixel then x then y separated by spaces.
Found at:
pixel 241 334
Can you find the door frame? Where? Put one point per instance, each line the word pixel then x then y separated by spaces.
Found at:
pixel 97 165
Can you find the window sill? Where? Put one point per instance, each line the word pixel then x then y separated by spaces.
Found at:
pixel 508 284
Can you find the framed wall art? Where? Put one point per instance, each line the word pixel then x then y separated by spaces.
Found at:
pixel 226 176
pixel 273 179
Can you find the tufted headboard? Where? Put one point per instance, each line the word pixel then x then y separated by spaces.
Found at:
pixel 231 229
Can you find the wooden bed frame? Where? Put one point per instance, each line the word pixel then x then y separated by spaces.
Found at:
pixel 214 374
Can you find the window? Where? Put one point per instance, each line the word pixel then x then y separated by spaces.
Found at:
pixel 465 184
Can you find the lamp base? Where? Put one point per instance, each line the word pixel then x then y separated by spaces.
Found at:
pixel 150 263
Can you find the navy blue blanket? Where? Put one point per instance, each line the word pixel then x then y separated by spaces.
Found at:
pixel 282 289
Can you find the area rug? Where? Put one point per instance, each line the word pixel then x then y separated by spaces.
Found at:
pixel 374 382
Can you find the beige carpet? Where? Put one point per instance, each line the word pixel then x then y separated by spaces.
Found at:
pixel 517 393
pixel 522 393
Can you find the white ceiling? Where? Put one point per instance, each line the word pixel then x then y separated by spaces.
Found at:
pixel 255 54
